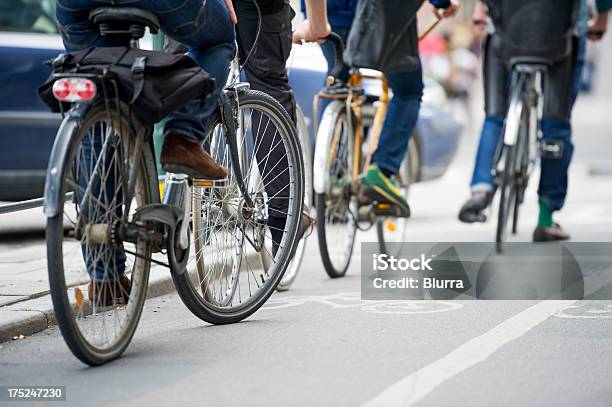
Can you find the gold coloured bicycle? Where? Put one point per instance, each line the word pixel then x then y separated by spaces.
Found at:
pixel 347 136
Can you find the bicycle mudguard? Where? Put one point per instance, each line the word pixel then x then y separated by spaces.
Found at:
pixel 323 140
pixel 61 145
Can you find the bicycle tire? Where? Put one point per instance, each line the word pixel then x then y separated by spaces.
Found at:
pixel 334 265
pixel 522 164
pixel 507 196
pixel 294 266
pixel 189 284
pixel 65 310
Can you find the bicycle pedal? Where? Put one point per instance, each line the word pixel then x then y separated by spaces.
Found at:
pixel 384 209
pixel 209 183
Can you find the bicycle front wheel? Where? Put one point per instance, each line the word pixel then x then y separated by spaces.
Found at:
pixel 226 280
pixel 336 207
pixel 99 284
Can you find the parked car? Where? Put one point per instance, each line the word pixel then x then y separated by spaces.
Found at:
pixel 28 37
pixel 437 132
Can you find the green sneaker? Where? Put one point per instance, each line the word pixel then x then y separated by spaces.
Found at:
pixel 381 189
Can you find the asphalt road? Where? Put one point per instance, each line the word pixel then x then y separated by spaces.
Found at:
pixel 319 345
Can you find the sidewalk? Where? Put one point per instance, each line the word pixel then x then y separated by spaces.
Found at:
pixel 25 303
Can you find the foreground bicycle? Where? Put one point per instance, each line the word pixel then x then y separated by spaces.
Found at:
pixel 341 155
pixel 105 219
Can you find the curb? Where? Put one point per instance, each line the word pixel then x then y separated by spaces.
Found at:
pixel 36 314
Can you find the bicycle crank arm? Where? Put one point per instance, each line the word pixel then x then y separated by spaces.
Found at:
pixel 172 218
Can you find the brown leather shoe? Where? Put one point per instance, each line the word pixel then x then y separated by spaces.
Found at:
pixel 183 156
pixel 109 293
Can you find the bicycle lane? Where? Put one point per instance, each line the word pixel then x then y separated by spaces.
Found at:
pixel 564 360
pixel 419 384
pixel 320 349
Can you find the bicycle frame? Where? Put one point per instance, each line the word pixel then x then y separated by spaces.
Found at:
pixel 177 191
pixel 527 94
pixel 354 102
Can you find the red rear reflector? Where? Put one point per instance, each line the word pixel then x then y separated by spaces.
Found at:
pixel 74 90
pixel 61 89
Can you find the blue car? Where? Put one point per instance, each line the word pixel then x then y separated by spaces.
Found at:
pixel 28 37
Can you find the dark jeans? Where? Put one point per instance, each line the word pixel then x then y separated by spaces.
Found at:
pixel 400 120
pixel 555 125
pixel 204 27
pixel 403 110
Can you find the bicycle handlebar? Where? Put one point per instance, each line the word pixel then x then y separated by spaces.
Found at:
pixel 338 44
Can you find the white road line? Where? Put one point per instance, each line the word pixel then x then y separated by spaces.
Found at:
pixel 414 387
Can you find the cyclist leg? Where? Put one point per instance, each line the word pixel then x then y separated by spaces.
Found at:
pixel 556 128
pixel 266 71
pixel 397 129
pixel 496 90
pixel 184 23
pixel 206 29
pixel 78 34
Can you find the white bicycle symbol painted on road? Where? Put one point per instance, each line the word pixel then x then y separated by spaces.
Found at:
pixel 586 311
pixel 353 300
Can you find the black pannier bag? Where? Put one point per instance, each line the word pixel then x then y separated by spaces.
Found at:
pixel 540 29
pixel 384 36
pixel 153 83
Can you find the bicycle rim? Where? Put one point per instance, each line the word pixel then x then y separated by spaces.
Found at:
pixel 96 316
pixel 294 266
pixel 336 209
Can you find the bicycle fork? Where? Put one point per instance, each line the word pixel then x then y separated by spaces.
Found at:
pixel 229 121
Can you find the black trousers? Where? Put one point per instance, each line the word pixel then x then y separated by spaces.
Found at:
pixel 265 70
pixel 558 90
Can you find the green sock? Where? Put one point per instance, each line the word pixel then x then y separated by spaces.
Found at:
pixel 545 219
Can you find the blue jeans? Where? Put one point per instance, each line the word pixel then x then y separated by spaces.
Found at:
pixel 206 29
pixel 400 120
pixel 553 175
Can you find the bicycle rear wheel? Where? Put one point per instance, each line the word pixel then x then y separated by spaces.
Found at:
pixel 392 232
pixel 515 170
pixel 226 279
pixel 97 312
pixel 337 208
